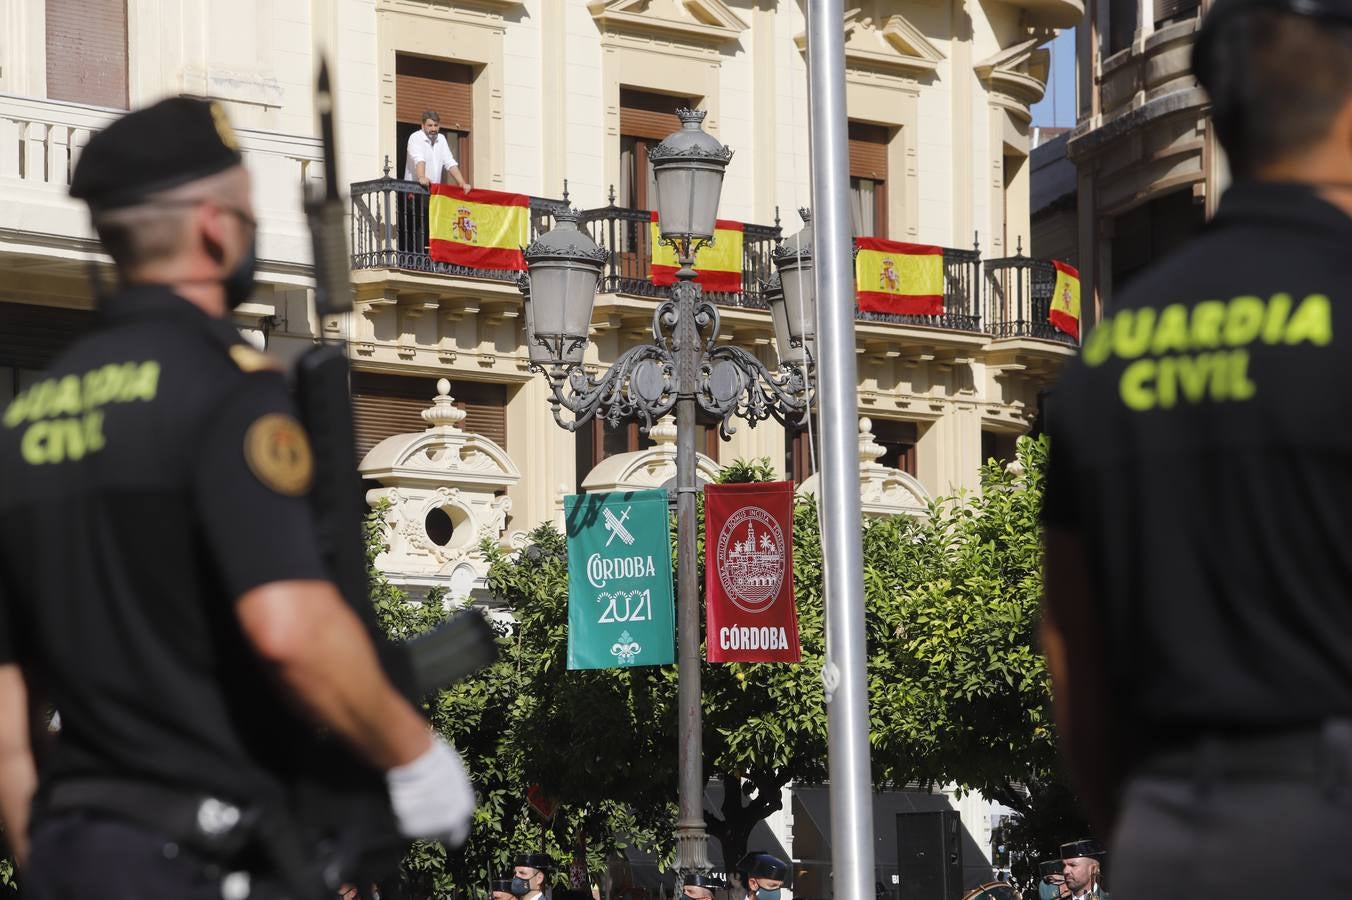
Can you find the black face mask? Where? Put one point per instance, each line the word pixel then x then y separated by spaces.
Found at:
pixel 520 887
pixel 239 284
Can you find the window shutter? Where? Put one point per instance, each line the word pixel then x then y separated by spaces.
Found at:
pixel 646 114
pixel 1172 9
pixel 445 87
pixel 868 151
pixel 32 336
pixel 87 52
pixel 386 405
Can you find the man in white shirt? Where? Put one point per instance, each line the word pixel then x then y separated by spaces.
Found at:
pixel 429 158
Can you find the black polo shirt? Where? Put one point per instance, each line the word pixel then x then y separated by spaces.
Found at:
pixel 154 475
pixel 1202 447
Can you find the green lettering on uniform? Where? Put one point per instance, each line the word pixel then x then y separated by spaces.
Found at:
pixel 1098 346
pixel 1241 388
pixel 33 444
pixel 1243 320
pixel 146 382
pixel 40 401
pixel 1136 393
pixel 1207 318
pixel 1166 382
pixel 1171 333
pixel 1279 307
pixel 67 402
pixel 1192 375
pixel 1131 332
pixel 1311 322
pixel 17 410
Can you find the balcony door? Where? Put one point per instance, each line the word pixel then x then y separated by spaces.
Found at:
pixel 646 118
pixel 87 52
pixel 868 179
pixel 423 84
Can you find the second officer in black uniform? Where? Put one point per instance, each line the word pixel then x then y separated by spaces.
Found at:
pixel 1199 500
pixel 160 582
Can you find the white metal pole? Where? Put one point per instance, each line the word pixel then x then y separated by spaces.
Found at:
pixel 846 650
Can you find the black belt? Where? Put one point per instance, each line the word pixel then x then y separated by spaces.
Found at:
pixel 1322 753
pixel 225 833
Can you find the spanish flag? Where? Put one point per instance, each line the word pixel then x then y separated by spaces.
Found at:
pixel 480 230
pixel 905 279
pixel 1065 313
pixel 719 264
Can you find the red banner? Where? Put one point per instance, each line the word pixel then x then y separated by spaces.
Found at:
pixel 748 573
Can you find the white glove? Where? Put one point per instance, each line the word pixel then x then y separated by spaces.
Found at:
pixel 432 796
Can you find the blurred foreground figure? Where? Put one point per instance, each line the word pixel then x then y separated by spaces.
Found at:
pixel 161 583
pixel 1198 611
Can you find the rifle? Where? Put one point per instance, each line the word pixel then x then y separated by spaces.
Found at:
pixel 342 805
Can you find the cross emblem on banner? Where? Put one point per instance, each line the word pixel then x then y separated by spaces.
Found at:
pixel 616 526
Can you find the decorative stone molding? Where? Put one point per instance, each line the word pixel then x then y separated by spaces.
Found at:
pixel 446 493
pixel 651 468
pixel 883 490
pixel 896 47
pixel 702 22
pixel 1017 76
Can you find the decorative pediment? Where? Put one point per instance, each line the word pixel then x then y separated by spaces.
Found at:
pixel 883 491
pixel 896 46
pixel 683 21
pixel 1019 72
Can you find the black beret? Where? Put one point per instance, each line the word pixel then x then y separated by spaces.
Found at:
pixel 500 886
pixel 1051 867
pixel 1083 847
pixel 762 865
pixel 541 861
pixel 711 882
pixel 1336 11
pixel 171 143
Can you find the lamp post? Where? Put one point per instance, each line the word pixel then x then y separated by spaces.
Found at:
pixel 682 369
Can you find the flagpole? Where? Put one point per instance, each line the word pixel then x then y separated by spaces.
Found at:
pixel 851 788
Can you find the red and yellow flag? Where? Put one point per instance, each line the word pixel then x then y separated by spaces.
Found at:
pixel 480 230
pixel 892 277
pixel 719 264
pixel 1065 313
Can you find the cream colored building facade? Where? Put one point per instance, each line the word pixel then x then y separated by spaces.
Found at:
pixel 536 93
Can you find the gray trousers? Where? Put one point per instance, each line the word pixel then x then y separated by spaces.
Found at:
pixel 1238 819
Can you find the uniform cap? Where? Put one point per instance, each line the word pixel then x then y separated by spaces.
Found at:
pixel 500 885
pixel 763 865
pixel 542 861
pixel 1334 11
pixel 710 882
pixel 1082 847
pixel 1051 867
pixel 162 146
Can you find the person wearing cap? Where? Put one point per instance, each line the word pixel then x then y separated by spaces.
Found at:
pixel 698 886
pixel 763 875
pixel 531 869
pixel 1082 870
pixel 1199 495
pixel 1052 880
pixel 160 573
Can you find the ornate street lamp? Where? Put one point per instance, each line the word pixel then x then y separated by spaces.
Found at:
pixel 793 297
pixel 682 369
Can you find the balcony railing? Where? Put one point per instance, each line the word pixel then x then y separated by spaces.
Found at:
pixel 1019 299
pixel 389 231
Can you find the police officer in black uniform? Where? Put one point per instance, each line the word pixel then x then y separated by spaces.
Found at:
pixel 763 875
pixel 698 886
pixel 1198 618
pixel 160 582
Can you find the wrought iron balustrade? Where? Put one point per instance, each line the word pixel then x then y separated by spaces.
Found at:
pixel 390 229
pixel 1019 299
pixel 962 296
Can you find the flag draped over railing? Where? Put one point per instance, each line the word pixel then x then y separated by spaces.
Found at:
pixel 479 230
pixel 719 264
pixel 1065 311
pixel 903 279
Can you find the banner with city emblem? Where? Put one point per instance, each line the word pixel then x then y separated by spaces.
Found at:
pixel 748 573
pixel 479 230
pixel 1065 311
pixel 903 279
pixel 719 265
pixel 620 607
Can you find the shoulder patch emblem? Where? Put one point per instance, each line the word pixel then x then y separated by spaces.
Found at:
pixel 278 453
pixel 250 360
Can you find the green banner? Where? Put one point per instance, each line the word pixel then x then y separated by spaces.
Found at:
pixel 620 608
